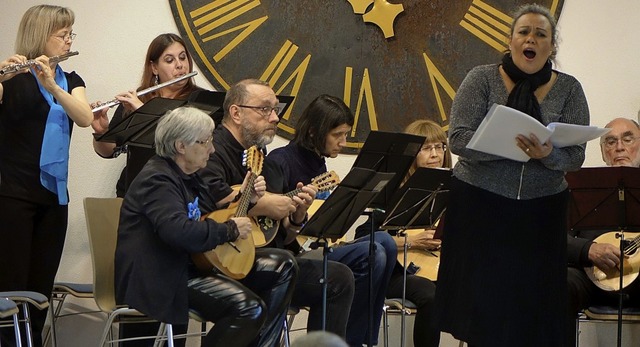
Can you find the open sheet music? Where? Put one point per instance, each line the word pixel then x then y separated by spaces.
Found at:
pixel 498 130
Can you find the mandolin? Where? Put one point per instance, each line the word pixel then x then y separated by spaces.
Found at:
pixel 427 262
pixel 234 259
pixel 610 280
pixel 269 227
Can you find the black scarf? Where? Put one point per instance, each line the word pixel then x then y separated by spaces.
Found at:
pixel 522 97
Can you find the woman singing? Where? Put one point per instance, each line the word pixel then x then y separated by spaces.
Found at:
pixel 502 278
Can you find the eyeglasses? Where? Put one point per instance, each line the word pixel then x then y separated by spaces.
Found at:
pixel 66 37
pixel 611 142
pixel 439 147
pixel 206 142
pixel 265 111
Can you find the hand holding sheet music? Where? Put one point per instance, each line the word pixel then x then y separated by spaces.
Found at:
pixel 497 133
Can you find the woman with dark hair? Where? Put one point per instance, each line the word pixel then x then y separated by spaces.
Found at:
pixel 167 59
pixel 321 132
pixel 38 107
pixel 503 270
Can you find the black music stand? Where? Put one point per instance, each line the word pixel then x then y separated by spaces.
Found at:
pixel 137 132
pixel 385 152
pixel 210 102
pixel 419 204
pixel 339 212
pixel 606 198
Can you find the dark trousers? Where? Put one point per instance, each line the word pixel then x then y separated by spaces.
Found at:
pixel 583 293
pixel 421 292
pixel 356 256
pixel 33 238
pixel 249 312
pixel 308 293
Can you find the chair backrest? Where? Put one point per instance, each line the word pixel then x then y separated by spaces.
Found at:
pixel 103 215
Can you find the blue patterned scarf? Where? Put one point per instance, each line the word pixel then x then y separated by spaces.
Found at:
pixel 54 156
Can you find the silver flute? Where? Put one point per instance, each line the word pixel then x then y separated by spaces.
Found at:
pixel 32 62
pixel 145 91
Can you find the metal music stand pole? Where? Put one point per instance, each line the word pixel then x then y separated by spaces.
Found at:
pixel 417 206
pixel 343 207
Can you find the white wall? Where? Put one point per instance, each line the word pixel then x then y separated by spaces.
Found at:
pixel 598 44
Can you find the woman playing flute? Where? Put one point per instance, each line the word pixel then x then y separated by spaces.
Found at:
pixel 167 59
pixel 38 107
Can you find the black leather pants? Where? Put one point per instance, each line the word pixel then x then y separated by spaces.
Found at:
pixel 249 312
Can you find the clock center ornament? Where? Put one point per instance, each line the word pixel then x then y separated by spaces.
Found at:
pixel 390 63
pixel 382 14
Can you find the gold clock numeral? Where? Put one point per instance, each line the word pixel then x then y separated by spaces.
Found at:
pixel 365 92
pixel 488 24
pixel 210 17
pixel 274 71
pixel 554 6
pixel 437 79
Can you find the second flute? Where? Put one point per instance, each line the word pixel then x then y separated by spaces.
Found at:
pixel 115 102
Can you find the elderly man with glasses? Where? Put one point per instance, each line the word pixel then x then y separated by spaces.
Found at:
pixel 619 147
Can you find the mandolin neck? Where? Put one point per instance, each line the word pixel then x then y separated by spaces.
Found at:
pixel 245 197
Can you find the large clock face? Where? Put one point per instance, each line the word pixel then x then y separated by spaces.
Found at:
pixel 391 63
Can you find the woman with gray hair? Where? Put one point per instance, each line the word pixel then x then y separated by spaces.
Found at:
pixel 160 227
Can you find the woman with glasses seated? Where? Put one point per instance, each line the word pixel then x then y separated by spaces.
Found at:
pixel 160 227
pixel 167 59
pixel 419 290
pixel 39 105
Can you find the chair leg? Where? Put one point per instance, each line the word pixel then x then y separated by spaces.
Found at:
pixel 54 312
pixel 285 341
pixel 285 334
pixel 27 323
pixel 16 329
pixel 203 332
pixel 578 331
pixel 169 329
pixel 385 322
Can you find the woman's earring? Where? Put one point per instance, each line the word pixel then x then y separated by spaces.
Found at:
pixel 156 79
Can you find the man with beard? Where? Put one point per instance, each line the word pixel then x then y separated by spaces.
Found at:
pixel 250 119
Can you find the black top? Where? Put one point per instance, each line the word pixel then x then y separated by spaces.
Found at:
pixel 156 238
pixel 23 117
pixel 225 169
pixel 298 164
pixel 136 156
